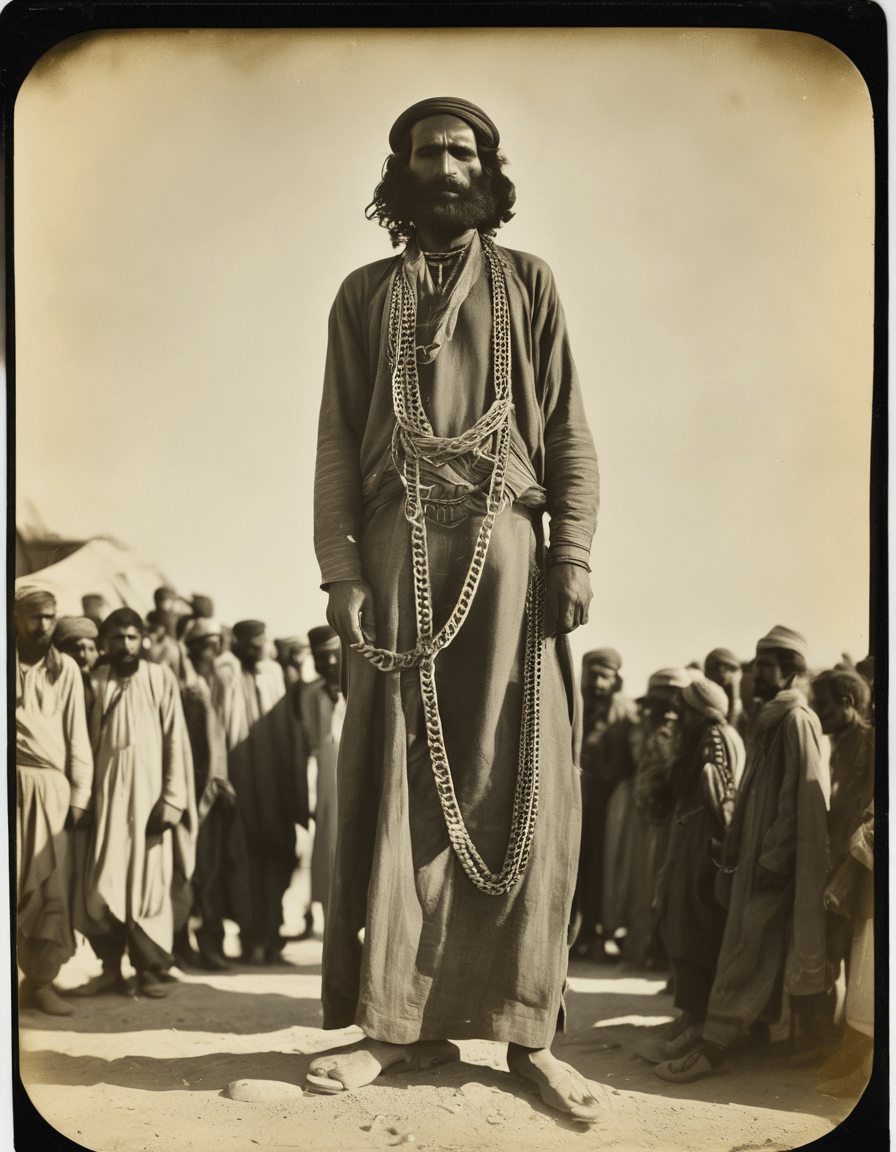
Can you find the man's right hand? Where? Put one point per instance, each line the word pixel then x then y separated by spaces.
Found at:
pixel 350 611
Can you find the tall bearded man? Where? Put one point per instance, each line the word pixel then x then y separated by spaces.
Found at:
pixel 54 774
pixel 451 421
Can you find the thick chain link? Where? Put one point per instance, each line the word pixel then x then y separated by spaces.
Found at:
pixel 414 440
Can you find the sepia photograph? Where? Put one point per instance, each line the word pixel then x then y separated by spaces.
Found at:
pixel 443 619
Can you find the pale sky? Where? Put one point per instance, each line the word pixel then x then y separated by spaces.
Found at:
pixel 187 203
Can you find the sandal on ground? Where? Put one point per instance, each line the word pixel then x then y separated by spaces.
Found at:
pixel 556 1091
pixel 694 1066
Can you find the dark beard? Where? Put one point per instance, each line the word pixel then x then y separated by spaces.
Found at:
pixel 442 216
pixel 124 664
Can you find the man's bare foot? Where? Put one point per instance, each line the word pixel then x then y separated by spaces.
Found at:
pixel 353 1067
pixel 560 1085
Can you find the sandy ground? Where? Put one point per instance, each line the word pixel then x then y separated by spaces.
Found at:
pixel 128 1074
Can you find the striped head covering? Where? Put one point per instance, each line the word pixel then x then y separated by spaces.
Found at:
pixel 669 678
pixel 722 656
pixel 199 628
pixel 29 596
pixel 69 628
pixel 606 657
pixel 486 132
pixel 781 637
pixel 706 698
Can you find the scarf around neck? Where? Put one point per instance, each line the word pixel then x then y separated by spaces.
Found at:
pixel 437 311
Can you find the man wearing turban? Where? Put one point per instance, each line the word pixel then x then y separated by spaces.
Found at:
pixel 774 858
pixel 267 769
pixel 695 796
pixel 451 421
pixel 54 776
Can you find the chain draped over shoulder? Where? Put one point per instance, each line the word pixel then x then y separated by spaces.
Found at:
pixel 414 441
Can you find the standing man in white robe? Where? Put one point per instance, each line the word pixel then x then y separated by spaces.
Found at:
pixel 143 789
pixel 54 773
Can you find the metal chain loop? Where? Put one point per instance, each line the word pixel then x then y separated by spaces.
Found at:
pixel 414 440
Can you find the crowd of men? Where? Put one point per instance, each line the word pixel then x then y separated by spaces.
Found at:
pixel 163 765
pixel 728 833
pixel 162 768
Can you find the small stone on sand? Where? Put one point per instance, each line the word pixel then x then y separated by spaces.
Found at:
pixel 262 1091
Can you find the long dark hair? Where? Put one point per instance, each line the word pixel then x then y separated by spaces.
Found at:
pixel 390 205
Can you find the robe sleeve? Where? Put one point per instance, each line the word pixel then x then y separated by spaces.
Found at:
pixel 177 758
pixel 343 413
pixel 570 462
pixel 800 800
pixel 79 757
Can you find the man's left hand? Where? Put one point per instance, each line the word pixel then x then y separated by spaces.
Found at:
pixel 567 597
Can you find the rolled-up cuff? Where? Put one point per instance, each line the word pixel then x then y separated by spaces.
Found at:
pixel 570 554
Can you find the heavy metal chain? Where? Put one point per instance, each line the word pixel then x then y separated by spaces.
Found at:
pixel 414 440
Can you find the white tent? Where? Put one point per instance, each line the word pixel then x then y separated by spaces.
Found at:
pixel 103 567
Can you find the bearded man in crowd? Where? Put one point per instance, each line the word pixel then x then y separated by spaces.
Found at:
pixel 451 420
pixel 143 788
pixel 775 856
pixel 220 879
pixel 269 775
pixel 54 777
pixel 608 717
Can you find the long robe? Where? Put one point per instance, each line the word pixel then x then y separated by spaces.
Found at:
pixel 774 937
pixel 141 753
pixel 439 957
pixel 220 883
pixel 266 772
pixel 606 760
pixel 323 718
pixel 54 770
pixel 693 920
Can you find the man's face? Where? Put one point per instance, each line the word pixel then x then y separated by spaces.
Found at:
pixel 449 190
pixel 601 681
pixel 35 626
pixel 123 645
pixel 251 649
pixel 328 663
pixel 723 673
pixel 205 651
pixel 835 715
pixel 83 652
pixel 768 677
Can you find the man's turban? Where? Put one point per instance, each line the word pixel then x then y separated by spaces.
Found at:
pixel 248 629
pixel 706 698
pixel 32 596
pixel 669 678
pixel 781 637
pixel 606 657
pixel 322 637
pixel 200 628
pixel 70 628
pixel 486 132
pixel 723 656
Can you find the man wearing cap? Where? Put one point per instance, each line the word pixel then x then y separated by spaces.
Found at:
pixel 724 669
pixel 451 420
pixel 143 788
pixel 775 856
pixel 608 717
pixel 266 770
pixel 323 714
pixel 76 636
pixel 54 777
pixel 695 795
pixel 220 881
